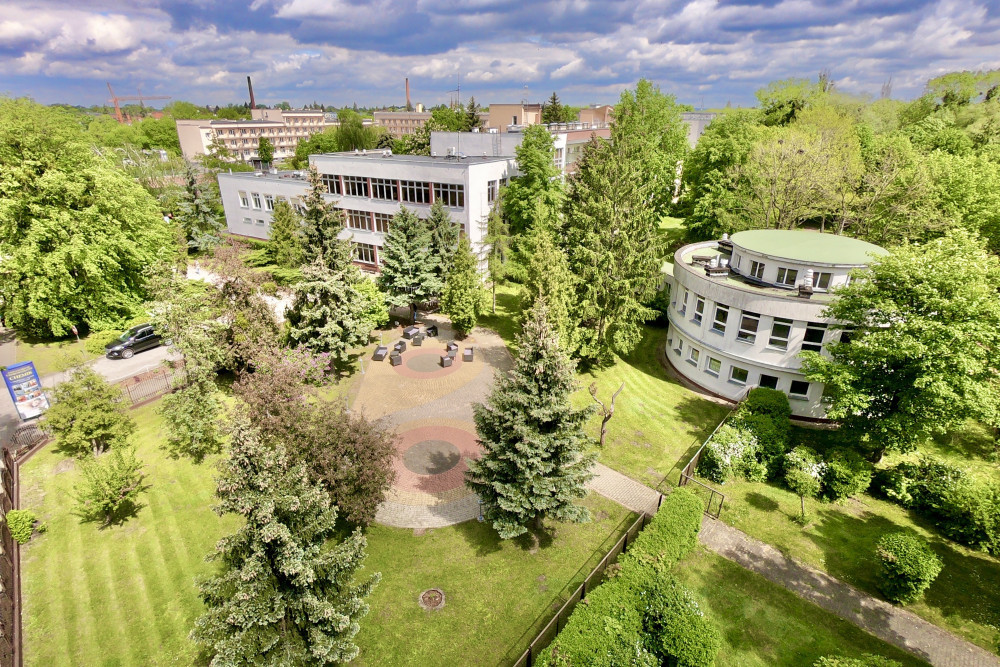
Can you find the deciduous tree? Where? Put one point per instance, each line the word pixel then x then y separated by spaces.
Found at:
pixel 538 189
pixel 110 486
pixel 289 590
pixel 88 414
pixel 535 461
pixel 192 414
pixel 549 277
pixel 265 151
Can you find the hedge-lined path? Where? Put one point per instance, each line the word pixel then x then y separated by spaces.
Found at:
pixel 877 617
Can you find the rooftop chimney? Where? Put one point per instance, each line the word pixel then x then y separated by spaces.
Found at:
pixel 408 105
pixel 253 105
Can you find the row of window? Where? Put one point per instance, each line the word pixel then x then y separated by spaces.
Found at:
pixel 365 252
pixel 785 277
pixel 747 325
pixel 260 222
pixel 368 222
pixel 257 202
pixel 387 189
pixel 713 366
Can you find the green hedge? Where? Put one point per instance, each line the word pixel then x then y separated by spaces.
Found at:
pixel 846 474
pixel 908 566
pixel 643 616
pixel 770 402
pixel 867 660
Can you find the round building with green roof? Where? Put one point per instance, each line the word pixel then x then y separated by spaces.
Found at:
pixel 743 309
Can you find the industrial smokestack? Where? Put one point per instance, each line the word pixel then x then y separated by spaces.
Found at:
pixel 409 107
pixel 253 105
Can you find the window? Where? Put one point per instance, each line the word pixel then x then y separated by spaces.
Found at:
pixel 738 375
pixel 260 222
pixel 356 186
pixel 680 345
pixel 416 192
pixel 693 355
pixel 244 200
pixel 382 221
pixel 364 252
pixel 736 261
pixel 813 340
pixel 768 381
pixel 748 327
pixel 384 188
pixel 846 335
pixel 699 309
pixel 256 200
pixel 268 202
pixel 821 281
pixel 787 276
pixel 247 221
pixel 450 194
pixel 684 302
pixel 714 366
pixel 757 270
pixel 491 191
pixel 799 389
pixel 780 331
pixel 332 183
pixel 721 316
pixel 359 220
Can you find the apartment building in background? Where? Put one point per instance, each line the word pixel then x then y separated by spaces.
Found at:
pixel 743 309
pixel 597 115
pixel 502 116
pixel 370 187
pixel 285 129
pixel 401 123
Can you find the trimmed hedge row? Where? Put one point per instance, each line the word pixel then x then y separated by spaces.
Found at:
pixel 643 616
pixel 867 660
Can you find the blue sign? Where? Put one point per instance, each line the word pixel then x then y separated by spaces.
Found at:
pixel 25 390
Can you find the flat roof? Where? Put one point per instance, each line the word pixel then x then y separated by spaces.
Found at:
pixel 807 246
pixel 376 155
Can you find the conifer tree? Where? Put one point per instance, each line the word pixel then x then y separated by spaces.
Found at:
pixel 323 224
pixel 534 463
pixel 497 242
pixel 289 591
pixel 408 274
pixel 472 119
pixel 538 189
pixel 286 235
pixel 202 227
pixel 549 276
pixel 614 249
pixel 552 111
pixel 444 239
pixel 192 414
pixel 331 312
pixel 463 292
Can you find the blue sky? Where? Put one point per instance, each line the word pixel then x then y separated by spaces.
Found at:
pixel 343 51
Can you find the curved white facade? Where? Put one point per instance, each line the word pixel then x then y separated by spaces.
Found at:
pixel 743 327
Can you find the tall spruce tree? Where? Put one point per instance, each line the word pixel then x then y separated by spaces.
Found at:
pixel 444 239
pixel 408 275
pixel 552 111
pixel 614 249
pixel 538 190
pixel 497 242
pixel 289 592
pixel 323 224
pixel 534 463
pixel 463 300
pixel 202 227
pixel 287 242
pixel 471 121
pixel 331 312
pixel 550 277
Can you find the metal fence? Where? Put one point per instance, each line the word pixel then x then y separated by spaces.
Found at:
pixel 592 580
pixel 147 388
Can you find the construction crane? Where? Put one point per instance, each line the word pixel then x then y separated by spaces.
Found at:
pixel 130 98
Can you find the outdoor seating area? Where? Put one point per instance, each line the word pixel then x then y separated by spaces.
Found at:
pixel 400 346
pixel 416 337
pixel 417 340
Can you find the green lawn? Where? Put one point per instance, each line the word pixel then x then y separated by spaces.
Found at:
pixel 504 322
pixel 766 625
pixel 53 357
pixel 658 424
pixel 498 595
pixel 126 595
pixel 840 540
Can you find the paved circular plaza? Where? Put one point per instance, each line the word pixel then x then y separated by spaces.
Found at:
pixel 430 408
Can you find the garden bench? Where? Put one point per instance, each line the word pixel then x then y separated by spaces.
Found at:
pixel 380 353
pixel 410 332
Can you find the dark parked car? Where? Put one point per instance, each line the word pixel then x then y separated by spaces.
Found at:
pixel 136 339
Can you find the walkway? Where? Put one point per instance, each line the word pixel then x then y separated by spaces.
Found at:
pixel 889 623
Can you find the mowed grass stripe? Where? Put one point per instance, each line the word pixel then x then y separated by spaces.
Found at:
pixel 122 594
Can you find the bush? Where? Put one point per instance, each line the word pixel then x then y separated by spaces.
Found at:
pixel 908 566
pixel 846 474
pixel 285 277
pixel 98 339
pixel 671 534
pixel 676 629
pixel 770 402
pixel 867 660
pixel 896 483
pixel 21 524
pixel 732 451
pixel 269 287
pixel 772 440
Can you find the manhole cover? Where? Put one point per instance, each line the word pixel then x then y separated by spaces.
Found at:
pixel 431 457
pixel 432 598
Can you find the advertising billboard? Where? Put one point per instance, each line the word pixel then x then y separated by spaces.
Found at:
pixel 25 390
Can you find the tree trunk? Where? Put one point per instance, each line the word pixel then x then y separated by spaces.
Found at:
pixel 97 447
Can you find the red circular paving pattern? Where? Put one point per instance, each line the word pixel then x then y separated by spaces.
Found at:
pixel 464 441
pixel 426 359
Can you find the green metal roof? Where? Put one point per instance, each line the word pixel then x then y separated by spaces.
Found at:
pixel 808 247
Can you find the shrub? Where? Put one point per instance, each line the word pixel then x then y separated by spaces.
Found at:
pixel 285 277
pixel 772 440
pixel 671 534
pixel 21 524
pixel 269 287
pixel 729 453
pixel 676 629
pixel 770 402
pixel 845 474
pixel 867 660
pixel 98 339
pixel 908 566
pixel 896 483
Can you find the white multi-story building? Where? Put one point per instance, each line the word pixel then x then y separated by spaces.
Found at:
pixel 370 187
pixel 284 129
pixel 742 310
